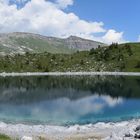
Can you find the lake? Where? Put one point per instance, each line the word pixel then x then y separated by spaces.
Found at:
pixel 68 100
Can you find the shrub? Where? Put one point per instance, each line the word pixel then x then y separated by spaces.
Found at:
pixel 137 65
pixel 92 51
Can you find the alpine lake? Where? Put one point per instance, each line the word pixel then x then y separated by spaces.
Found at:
pixel 69 100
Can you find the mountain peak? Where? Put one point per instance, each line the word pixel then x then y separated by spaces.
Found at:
pixel 75 37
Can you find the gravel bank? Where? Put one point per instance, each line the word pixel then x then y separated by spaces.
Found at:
pixel 126 130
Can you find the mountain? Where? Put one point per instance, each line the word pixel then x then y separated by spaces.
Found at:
pixel 12 43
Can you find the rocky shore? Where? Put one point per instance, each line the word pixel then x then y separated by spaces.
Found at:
pixel 70 74
pixel 126 130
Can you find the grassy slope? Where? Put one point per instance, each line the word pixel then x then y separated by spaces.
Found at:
pixel 34 45
pixel 132 60
pixel 40 45
pixel 4 137
pixel 101 59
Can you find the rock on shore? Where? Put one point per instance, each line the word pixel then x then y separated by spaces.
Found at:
pixel 126 130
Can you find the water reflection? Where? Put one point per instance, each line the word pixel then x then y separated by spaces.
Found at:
pixel 65 100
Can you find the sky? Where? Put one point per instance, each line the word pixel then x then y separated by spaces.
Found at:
pixel 101 20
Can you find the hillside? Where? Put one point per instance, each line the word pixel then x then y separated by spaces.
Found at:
pixel 21 43
pixel 124 57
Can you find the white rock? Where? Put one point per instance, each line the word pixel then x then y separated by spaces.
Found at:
pixel 26 138
pixel 113 137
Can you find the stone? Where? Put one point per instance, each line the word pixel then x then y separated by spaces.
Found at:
pixel 128 135
pixel 137 128
pixel 26 138
pixel 137 136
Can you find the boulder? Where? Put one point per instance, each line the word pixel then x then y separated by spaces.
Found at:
pixel 128 135
pixel 137 128
pixel 137 136
pixel 26 138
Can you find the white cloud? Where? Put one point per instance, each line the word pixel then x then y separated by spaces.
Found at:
pixel 139 38
pixel 112 102
pixel 64 109
pixel 47 18
pixel 4 1
pixel 113 36
pixel 19 1
pixel 64 3
pixel 70 109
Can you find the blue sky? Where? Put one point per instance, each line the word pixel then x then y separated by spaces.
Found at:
pixel 101 20
pixel 123 15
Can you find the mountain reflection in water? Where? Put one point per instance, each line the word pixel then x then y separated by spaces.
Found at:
pixel 66 100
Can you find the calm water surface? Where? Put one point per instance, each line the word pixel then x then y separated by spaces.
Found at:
pixel 64 100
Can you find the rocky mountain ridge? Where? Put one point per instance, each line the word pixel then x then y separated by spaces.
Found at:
pixel 17 42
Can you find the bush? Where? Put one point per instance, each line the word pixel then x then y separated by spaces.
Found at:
pixel 137 65
pixel 4 137
pixel 92 51
pixel 46 69
pixel 113 45
pixel 129 50
pixel 82 62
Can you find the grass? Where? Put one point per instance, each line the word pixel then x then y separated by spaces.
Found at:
pixel 37 45
pixel 4 137
pixel 116 58
pixel 131 62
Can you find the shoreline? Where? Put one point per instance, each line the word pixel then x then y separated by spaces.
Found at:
pixel 4 74
pixel 99 131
